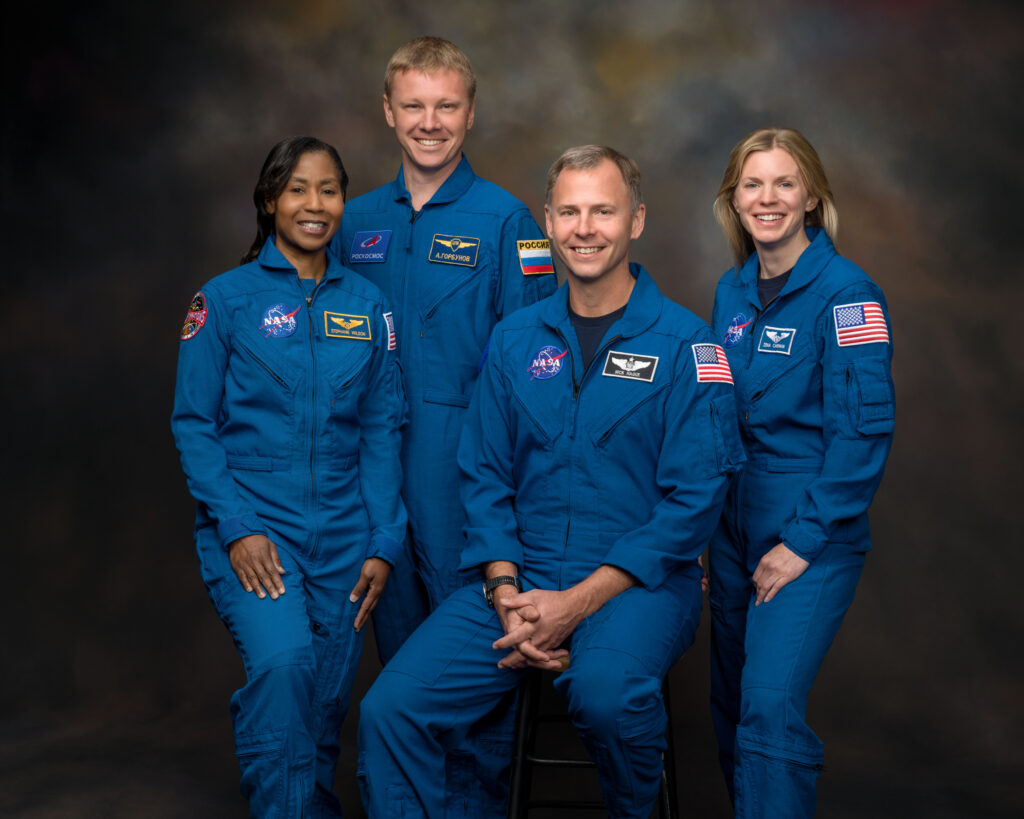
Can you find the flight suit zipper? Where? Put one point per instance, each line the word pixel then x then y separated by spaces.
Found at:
pixel 312 415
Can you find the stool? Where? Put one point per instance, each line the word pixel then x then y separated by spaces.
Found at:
pixel 525 759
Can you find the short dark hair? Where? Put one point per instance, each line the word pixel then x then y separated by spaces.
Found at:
pixel 277 170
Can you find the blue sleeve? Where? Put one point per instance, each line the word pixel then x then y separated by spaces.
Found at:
pixel 515 288
pixel 859 416
pixel 485 457
pixel 198 393
pixel 381 416
pixel 701 450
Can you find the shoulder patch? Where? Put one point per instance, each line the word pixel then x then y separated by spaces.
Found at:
pixel 776 340
pixel 369 246
pixel 195 318
pixel 860 323
pixel 389 322
pixel 712 365
pixel 633 366
pixel 345 325
pixel 535 256
pixel 447 249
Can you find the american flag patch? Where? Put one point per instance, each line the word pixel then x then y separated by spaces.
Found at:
pixel 389 320
pixel 712 365
pixel 860 323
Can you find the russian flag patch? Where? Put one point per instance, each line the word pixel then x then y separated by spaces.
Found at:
pixel 535 256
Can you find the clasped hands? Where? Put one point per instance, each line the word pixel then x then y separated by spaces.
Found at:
pixel 536 623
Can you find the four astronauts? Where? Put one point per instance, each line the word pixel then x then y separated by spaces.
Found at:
pixel 390 408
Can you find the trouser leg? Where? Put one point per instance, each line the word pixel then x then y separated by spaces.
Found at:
pixel 728 599
pixel 401 608
pixel 778 756
pixel 273 717
pixel 443 680
pixel 619 658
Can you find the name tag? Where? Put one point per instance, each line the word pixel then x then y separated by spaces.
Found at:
pixel 776 340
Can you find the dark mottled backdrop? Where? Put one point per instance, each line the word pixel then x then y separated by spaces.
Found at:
pixel 132 136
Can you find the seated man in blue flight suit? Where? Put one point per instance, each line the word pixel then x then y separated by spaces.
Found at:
pixel 595 458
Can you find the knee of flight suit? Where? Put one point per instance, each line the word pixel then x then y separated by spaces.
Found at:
pixel 610 707
pixel 778 716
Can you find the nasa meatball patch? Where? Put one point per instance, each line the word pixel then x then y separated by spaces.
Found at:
pixel 279 321
pixel 776 340
pixel 633 366
pixel 546 363
pixel 195 318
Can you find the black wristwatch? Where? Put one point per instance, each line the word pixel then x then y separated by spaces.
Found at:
pixel 502 580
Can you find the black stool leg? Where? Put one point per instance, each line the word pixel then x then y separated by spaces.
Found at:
pixel 526 713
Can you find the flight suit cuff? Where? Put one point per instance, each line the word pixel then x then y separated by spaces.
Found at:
pixel 232 529
pixel 801 543
pixel 479 553
pixel 386 548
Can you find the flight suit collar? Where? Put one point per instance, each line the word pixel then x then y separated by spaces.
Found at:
pixel 451 189
pixel 808 267
pixel 642 309
pixel 271 258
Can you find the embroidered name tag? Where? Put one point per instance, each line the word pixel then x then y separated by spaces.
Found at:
pixel 343 325
pixel 454 249
pixel 630 365
pixel 370 246
pixel 776 340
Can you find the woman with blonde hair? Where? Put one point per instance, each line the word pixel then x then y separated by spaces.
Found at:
pixel 809 343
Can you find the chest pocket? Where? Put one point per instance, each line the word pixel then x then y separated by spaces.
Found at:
pixel 344 360
pixel 256 357
pixel 628 417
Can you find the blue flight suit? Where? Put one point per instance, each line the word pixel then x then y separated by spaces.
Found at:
pixel 564 470
pixel 452 269
pixel 287 412
pixel 815 398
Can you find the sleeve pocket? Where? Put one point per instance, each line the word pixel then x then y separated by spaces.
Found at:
pixel 873 407
pixel 728 454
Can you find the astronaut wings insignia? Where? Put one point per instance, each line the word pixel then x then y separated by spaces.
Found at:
pixel 344 325
pixel 634 366
pixel 776 340
pixel 630 365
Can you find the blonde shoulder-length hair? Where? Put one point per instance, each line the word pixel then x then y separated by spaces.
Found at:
pixel 796 145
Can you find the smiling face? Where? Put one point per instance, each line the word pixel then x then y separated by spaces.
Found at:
pixel 431 114
pixel 308 211
pixel 590 222
pixel 771 199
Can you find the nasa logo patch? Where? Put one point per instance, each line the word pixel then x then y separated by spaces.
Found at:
pixel 461 250
pixel 547 363
pixel 630 365
pixel 370 246
pixel 279 321
pixel 344 325
pixel 776 340
pixel 737 327
pixel 195 318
